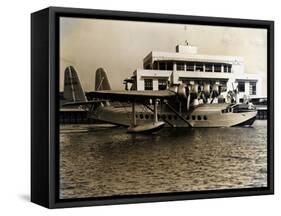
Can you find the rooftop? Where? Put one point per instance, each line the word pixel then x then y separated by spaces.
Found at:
pixel 189 53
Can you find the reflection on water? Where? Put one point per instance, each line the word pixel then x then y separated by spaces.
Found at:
pixel 98 161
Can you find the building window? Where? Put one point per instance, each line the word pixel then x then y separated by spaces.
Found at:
pixel 190 67
pixel 225 67
pixel 180 66
pixel 162 84
pixel 241 86
pixel 162 66
pixel 208 68
pixel 169 66
pixel 155 65
pixel 253 88
pixel 147 67
pixel 199 67
pixel 217 68
pixel 229 68
pixel 148 84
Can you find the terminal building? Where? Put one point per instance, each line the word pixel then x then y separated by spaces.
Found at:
pixel 185 65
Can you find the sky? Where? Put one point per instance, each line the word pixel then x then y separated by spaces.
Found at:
pixel 120 46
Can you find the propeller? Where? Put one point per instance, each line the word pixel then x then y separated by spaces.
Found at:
pixel 234 93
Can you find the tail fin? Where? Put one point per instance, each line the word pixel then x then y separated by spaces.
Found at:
pixel 102 82
pixel 73 90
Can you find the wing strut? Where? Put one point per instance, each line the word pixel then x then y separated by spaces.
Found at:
pixel 165 120
pixel 179 115
pixel 145 127
pixel 155 111
pixel 134 122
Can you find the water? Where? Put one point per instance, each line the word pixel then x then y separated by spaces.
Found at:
pixel 97 161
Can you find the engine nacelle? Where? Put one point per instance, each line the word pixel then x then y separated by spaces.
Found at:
pixel 215 89
pixel 207 88
pixel 195 89
pixel 182 90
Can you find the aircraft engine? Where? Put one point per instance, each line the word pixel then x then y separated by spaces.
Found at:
pixel 215 90
pixel 183 91
pixel 207 89
pixel 195 88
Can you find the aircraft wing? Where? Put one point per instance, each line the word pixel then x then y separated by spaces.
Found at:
pixel 78 103
pixel 139 96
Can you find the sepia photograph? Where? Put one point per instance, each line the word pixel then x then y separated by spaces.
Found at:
pixel 156 108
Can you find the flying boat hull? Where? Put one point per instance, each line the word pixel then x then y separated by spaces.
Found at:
pixel 211 115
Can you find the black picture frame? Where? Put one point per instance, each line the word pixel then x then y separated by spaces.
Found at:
pixel 45 100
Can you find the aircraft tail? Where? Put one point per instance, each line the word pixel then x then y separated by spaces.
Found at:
pixel 73 90
pixel 101 82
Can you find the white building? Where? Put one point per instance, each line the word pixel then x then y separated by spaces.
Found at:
pixel 186 66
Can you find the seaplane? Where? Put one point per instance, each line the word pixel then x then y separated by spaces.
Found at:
pixel 149 111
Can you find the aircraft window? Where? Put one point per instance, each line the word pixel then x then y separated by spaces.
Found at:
pixel 169 117
pixel 187 117
pixel 198 117
pixel 151 116
pixel 146 116
pixel 164 116
pixel 137 116
pixel 193 117
pixel 141 116
pixel 175 117
pixel 205 118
